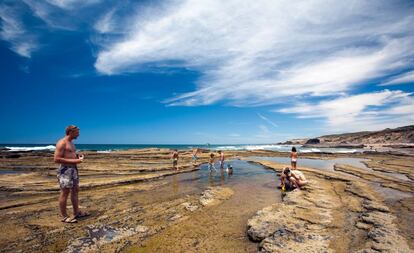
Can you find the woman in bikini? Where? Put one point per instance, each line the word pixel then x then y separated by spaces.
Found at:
pixel 293 157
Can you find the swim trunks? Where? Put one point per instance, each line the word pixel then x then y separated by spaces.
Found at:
pixel 68 176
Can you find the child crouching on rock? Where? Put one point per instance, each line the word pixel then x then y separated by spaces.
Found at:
pixel 285 183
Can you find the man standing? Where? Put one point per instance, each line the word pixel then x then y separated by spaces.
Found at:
pixel 67 174
pixel 175 159
pixel 221 153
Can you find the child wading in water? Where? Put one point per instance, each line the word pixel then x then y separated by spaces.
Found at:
pixel 194 158
pixel 293 158
pixel 211 162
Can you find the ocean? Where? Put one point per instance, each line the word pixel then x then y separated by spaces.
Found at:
pixel 106 148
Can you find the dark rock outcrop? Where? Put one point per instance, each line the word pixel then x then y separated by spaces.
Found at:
pixel 313 141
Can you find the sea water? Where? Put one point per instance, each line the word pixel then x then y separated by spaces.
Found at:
pixel 106 148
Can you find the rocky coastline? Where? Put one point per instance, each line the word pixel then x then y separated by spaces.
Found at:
pixel 133 208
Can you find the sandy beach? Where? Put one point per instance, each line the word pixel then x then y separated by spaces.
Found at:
pixel 138 203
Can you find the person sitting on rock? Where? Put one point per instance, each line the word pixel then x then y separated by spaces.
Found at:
pixel 297 178
pixel 292 178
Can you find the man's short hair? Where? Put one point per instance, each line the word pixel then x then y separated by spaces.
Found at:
pixel 69 129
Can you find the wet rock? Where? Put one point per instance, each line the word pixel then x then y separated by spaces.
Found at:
pixel 99 235
pixel 103 217
pixel 215 195
pixel 384 235
pixel 265 223
pixel 174 217
pixel 362 225
pixel 141 229
pixel 375 206
pixel 13 156
pixel 189 207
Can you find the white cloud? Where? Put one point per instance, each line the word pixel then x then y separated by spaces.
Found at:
pixel 267 51
pixel 13 31
pixel 401 79
pixel 368 111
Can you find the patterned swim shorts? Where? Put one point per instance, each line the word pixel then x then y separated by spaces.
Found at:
pixel 68 176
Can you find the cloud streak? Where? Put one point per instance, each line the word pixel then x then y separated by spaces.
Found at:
pixel 401 79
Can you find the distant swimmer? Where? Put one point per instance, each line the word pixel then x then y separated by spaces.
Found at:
pixel 175 159
pixel 221 159
pixel 67 174
pixel 293 158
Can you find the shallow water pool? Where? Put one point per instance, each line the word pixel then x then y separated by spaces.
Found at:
pixel 317 163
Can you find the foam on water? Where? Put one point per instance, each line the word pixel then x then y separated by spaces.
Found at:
pixel 104 151
pixel 49 147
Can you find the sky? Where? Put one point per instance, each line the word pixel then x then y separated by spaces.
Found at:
pixel 203 71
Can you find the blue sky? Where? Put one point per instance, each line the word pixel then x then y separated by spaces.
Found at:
pixel 183 72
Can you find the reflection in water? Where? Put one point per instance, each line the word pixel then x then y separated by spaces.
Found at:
pixel 390 194
pixel 222 179
pixel 225 175
pixel 174 183
pixel 211 178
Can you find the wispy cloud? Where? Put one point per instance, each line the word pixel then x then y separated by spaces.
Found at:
pixel 368 111
pixel 14 31
pixel 70 4
pixel 20 26
pixel 62 15
pixel 401 79
pixel 264 52
pixel 267 120
pixel 106 23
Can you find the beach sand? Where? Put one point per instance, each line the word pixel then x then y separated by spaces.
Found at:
pixel 138 204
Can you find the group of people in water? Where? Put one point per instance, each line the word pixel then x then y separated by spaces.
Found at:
pixel 68 175
pixel 194 158
pixel 290 178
